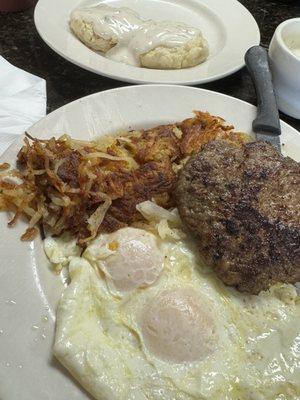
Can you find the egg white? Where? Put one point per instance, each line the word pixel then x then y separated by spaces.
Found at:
pixel 60 250
pixel 99 336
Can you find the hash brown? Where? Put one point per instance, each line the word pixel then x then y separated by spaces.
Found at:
pixel 90 187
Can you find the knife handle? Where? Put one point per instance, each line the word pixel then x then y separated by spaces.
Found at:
pixel 267 119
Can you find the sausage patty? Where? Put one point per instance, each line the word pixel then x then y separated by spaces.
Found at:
pixel 242 204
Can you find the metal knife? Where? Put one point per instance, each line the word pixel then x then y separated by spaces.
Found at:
pixel 266 125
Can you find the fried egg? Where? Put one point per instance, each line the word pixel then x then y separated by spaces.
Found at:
pixel 144 319
pixel 129 258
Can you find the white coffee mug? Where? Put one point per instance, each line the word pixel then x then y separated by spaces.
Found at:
pixel 284 55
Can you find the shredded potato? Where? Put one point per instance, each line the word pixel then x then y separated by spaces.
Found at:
pixel 153 212
pixel 83 188
pixel 166 223
pixel 4 166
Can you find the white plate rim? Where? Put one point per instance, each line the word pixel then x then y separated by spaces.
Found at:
pixel 132 77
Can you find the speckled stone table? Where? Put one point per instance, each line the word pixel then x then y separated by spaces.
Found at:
pixel 21 45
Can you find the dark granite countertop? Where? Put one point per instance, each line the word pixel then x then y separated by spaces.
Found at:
pixel 21 45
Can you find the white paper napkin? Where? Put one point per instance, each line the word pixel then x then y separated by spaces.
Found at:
pixel 22 102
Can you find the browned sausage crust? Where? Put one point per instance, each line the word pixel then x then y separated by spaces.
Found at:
pixel 242 203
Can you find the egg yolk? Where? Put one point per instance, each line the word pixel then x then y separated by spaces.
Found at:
pixel 137 260
pixel 177 326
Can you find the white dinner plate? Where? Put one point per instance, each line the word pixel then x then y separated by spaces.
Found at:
pixel 228 26
pixel 29 291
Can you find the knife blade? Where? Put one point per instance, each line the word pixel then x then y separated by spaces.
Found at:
pixel 266 125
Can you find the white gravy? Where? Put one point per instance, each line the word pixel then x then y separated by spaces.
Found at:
pixel 134 35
